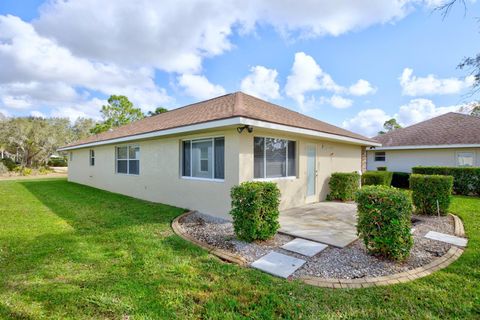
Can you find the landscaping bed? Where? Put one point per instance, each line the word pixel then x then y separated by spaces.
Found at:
pixel 350 262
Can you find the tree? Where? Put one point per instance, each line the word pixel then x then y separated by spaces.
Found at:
pixel 475 111
pixel 118 112
pixel 158 110
pixel 82 128
pixel 390 125
pixel 472 64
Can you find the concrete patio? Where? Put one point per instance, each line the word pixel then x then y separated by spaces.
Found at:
pixel 332 223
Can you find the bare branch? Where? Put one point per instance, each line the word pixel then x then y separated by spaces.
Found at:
pixel 447 7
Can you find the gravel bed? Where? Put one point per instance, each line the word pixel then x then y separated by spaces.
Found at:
pixel 346 263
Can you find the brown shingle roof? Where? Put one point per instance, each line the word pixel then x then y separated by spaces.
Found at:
pixel 231 105
pixel 450 128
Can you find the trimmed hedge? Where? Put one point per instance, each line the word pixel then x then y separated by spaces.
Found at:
pixel 255 210
pixel 400 180
pixel 466 181
pixel 427 190
pixel 384 221
pixel 343 186
pixel 378 178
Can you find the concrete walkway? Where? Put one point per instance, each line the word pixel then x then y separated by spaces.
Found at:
pixel 333 223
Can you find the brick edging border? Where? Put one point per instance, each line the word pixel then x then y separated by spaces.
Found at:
pixel 442 262
pixel 222 254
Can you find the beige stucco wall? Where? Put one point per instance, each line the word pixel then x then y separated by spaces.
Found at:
pixel 404 160
pixel 331 157
pixel 160 178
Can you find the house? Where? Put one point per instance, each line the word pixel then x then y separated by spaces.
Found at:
pixel 190 157
pixel 452 140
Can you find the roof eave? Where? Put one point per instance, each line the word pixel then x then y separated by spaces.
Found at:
pixel 438 146
pixel 225 123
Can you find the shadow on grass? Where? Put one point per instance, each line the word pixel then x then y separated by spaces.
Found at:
pixel 120 255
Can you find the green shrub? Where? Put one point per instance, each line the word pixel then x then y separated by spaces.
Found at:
pixel 381 168
pixel 25 171
pixel 400 180
pixel 377 178
pixel 466 181
pixel 9 163
pixel 255 210
pixel 384 221
pixel 45 170
pixel 427 190
pixel 3 168
pixel 343 186
pixel 57 162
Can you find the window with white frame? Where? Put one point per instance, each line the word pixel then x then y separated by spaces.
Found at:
pixel 380 156
pixel 465 159
pixel 204 158
pixel 128 159
pixel 92 157
pixel 274 158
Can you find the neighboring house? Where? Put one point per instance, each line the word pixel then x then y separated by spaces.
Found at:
pixel 452 140
pixel 190 157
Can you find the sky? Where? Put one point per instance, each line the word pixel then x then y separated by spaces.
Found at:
pixel 352 63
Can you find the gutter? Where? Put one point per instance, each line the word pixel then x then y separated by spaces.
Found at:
pixel 224 123
pixel 439 146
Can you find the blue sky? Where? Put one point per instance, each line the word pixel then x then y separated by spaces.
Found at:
pixel 65 58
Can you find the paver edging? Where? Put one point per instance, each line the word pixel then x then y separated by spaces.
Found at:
pixel 222 254
pixel 441 262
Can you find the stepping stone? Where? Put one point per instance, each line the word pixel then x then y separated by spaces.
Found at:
pixel 462 242
pixel 278 264
pixel 305 247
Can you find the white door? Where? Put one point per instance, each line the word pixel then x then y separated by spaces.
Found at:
pixel 311 172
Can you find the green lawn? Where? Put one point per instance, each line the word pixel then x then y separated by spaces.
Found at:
pixel 70 251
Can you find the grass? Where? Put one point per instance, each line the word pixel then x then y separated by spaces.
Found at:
pixel 71 251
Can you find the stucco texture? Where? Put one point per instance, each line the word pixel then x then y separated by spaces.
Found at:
pixel 404 160
pixel 160 176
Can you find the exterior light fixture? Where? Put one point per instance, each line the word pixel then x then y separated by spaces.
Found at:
pixel 249 129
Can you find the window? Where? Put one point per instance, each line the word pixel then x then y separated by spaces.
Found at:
pixel 465 159
pixel 92 157
pixel 128 159
pixel 379 156
pixel 204 158
pixel 274 158
pixel 71 155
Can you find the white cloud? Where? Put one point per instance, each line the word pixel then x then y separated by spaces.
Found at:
pixel 262 83
pixel 361 88
pixel 431 85
pixel 199 87
pixel 307 76
pixel 37 72
pixel 177 35
pixel 337 101
pixel 367 122
pixel 37 114
pixel 418 110
pixel 370 121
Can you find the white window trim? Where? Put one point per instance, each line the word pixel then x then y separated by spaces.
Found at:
pixel 127 159
pixel 286 164
pixel 90 157
pixel 375 156
pixel 212 139
pixel 474 158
